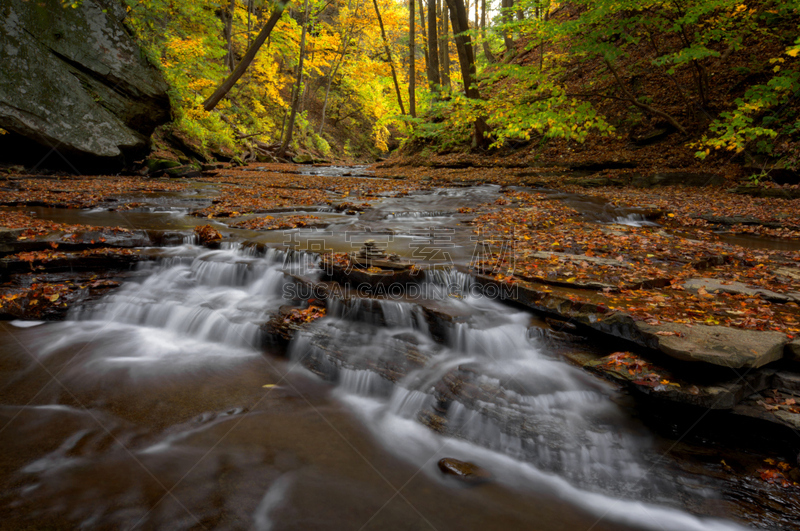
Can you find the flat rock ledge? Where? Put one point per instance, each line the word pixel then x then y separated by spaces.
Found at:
pixel 714 345
pixel 717 345
pixel 737 288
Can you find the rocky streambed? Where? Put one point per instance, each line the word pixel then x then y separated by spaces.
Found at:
pixel 227 376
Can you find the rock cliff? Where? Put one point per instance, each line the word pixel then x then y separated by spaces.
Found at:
pixel 75 89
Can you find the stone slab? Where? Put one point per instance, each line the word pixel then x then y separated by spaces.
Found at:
pixel 717 345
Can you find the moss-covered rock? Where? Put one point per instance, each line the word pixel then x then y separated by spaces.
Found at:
pixel 73 79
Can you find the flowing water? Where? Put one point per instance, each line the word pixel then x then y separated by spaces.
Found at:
pixel 165 405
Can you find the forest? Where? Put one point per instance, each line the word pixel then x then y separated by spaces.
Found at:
pixel 350 81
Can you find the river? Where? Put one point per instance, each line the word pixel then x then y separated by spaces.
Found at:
pixel 163 404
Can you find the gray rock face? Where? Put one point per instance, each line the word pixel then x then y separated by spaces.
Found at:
pixel 73 79
pixel 718 345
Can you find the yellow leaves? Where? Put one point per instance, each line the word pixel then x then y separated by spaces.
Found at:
pixel 792 52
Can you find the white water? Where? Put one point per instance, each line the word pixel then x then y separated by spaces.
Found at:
pixel 196 307
pixel 544 425
pixel 541 426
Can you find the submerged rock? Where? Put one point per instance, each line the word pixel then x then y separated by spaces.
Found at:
pixel 464 470
pixel 73 80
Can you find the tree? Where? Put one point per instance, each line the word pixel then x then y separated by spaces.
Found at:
pixel 334 69
pixel 487 51
pixel 444 47
pixel 227 18
pixel 506 7
pixel 298 86
pixel 240 69
pixel 389 57
pixel 433 48
pixel 466 59
pixel 422 25
pixel 412 61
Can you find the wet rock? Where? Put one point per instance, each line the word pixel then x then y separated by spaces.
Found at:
pixel 560 326
pixel 717 345
pixel 760 191
pixel 739 220
pixel 772 406
pixel 381 277
pixel 207 235
pixel 78 241
pixel 793 350
pixel 75 79
pixel 49 296
pixel 464 470
pixel 711 285
pixel 156 165
pixel 166 238
pixel 392 360
pixel 10 235
pixel 787 381
pixel 102 259
pixel 791 273
pixel 187 171
pixel 441 321
pixel 281 328
pixel 677 178
pixel 659 382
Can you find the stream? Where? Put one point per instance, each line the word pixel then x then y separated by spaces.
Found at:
pixel 164 404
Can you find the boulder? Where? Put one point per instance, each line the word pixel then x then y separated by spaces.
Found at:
pixel 717 345
pixel 72 80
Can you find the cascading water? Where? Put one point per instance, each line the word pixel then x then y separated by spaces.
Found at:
pixel 488 391
pixel 161 390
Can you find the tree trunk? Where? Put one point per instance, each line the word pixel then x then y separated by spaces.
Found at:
pixel 425 53
pixel 635 101
pixel 334 69
pixel 433 48
pixel 412 61
pixel 229 62
pixel 389 57
pixel 298 86
pixel 507 6
pixel 444 48
pixel 487 51
pixel 466 59
pixel 249 24
pixel 240 69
